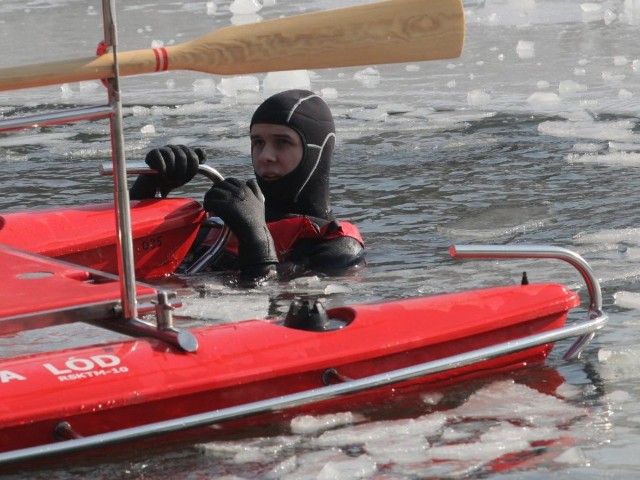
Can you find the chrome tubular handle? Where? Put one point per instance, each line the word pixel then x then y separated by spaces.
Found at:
pixel 137 168
pixel 536 251
pixel 547 252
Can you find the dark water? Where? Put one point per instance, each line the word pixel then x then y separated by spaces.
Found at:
pixel 420 165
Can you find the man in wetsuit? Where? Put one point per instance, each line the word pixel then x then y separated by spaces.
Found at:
pixel 283 216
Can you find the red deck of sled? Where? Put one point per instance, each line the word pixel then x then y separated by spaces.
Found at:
pixel 38 291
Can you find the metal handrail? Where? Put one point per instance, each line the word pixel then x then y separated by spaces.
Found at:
pixel 68 115
pixel 549 252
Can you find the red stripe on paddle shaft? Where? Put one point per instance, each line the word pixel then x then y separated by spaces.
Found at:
pixel 162 59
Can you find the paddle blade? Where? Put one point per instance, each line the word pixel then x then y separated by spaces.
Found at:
pixel 391 31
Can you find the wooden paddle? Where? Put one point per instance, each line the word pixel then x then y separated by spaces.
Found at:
pixel 391 31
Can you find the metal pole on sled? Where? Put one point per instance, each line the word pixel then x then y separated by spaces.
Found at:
pixel 126 262
pixel 124 241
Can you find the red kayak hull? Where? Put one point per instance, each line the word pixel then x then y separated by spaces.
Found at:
pixel 163 231
pixel 125 384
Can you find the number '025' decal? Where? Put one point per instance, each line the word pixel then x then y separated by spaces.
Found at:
pixel 151 243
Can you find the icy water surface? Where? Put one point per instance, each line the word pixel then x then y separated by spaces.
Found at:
pixel 530 137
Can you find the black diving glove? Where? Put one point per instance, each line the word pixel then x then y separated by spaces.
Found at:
pixel 175 164
pixel 241 207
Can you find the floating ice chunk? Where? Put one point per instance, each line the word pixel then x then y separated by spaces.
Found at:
pixel 244 7
pixel 369 77
pixel 616 130
pixel 309 424
pixel 229 87
pixel 612 77
pixel 625 94
pixel 493 18
pixel 525 49
pixel 329 93
pixel 635 65
pixel 451 434
pixel 412 68
pixel 139 110
pixel 205 86
pixel 617 397
pixel 348 467
pixel 620 60
pixel 609 17
pixel 543 99
pixel 626 147
pixel 627 235
pixel 507 400
pixel 269 446
pixel 627 299
pixel 211 8
pixel 432 398
pixel 617 158
pixel 245 19
pixel 282 469
pixel 478 98
pixel 148 130
pixel 591 12
pixel 587 147
pixel 334 288
pixel 632 11
pixel 507 432
pixel 567 87
pixel 496 222
pixel 619 363
pixel 402 450
pixel 579 72
pixel 275 82
pixel 566 390
pixel 235 307
pixel 542 84
pixel 377 114
pixel 424 426
pixel 478 451
pixel 88 86
pixel 66 90
pixel 157 44
pixel 330 464
pixel 572 456
pixel 251 455
pixel 305 281
pixel 34 139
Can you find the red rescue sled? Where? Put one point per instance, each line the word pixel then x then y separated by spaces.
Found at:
pixel 168 382
pixel 164 231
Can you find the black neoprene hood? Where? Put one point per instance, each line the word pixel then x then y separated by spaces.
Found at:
pixel 305 190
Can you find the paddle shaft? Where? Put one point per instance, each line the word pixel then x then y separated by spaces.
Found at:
pixel 391 31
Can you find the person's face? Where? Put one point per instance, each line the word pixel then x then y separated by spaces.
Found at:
pixel 275 150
